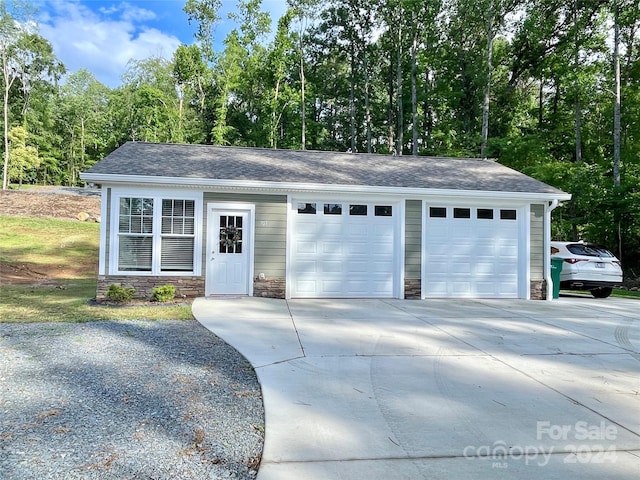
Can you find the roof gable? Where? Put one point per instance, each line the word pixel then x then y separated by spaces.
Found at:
pixel 210 163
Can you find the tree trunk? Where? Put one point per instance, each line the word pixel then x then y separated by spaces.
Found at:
pixel 352 100
pixel 541 103
pixel 367 106
pixel 303 134
pixel 616 111
pixel 487 86
pixel 180 111
pixel 578 121
pixel 578 106
pixel 616 107
pixel 390 122
pixel 5 111
pixel 427 111
pixel 399 102
pixel 414 97
pixel 82 145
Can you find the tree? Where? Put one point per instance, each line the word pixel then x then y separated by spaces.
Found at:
pixel 82 112
pixel 304 11
pixel 147 107
pixel 278 67
pixel 22 157
pixel 205 14
pixel 25 58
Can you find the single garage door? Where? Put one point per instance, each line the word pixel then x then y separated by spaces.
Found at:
pixel 471 252
pixel 342 249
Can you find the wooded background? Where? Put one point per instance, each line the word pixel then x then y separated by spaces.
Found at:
pixel 548 87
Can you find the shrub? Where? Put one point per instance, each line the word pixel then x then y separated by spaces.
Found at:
pixel 118 293
pixel 164 293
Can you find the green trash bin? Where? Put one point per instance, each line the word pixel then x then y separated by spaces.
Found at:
pixel 556 269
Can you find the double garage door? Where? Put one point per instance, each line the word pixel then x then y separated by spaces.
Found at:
pixel 471 252
pixel 346 249
pixel 343 249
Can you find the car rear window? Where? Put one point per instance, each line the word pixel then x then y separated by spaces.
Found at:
pixel 589 250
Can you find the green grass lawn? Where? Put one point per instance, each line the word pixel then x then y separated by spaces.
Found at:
pixel 68 252
pixel 625 294
pixel 616 293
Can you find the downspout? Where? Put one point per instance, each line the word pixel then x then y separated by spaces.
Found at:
pixel 548 208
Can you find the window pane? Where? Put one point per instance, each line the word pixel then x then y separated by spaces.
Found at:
pixel 147 224
pixel 333 209
pixel 134 253
pixel 438 212
pixel 383 210
pixel 125 206
pixel 166 208
pixel 231 235
pixel 507 214
pixel 189 224
pixel 136 215
pixel 357 209
pixel 176 254
pixel 309 208
pixel 589 250
pixel 485 213
pixel 461 213
pixel 124 225
pixel 167 225
pixel 178 217
pixel 178 208
pixel 136 225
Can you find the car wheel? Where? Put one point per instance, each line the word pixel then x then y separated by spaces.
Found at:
pixel 602 292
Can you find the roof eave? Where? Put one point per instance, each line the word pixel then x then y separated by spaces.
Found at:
pixel 292 187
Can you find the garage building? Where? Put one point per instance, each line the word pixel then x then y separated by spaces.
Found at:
pixel 214 220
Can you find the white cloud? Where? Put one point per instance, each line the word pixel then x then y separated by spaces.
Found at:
pixel 103 41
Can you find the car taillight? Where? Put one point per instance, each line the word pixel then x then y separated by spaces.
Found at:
pixel 618 262
pixel 575 260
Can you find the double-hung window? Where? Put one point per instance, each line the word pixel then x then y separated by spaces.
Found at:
pixel 135 229
pixel 156 235
pixel 177 236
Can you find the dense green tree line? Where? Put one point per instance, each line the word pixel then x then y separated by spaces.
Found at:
pixel 548 87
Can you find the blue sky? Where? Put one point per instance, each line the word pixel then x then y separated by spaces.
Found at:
pixel 102 36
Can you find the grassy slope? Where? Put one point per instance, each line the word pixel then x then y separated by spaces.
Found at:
pixel 68 251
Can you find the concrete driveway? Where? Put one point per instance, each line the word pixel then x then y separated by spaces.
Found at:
pixel 441 389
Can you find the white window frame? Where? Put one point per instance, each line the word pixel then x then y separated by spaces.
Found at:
pixel 158 197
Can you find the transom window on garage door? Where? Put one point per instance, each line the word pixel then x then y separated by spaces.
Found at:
pixel 353 209
pixel 477 213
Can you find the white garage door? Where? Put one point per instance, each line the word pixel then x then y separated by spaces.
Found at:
pixel 471 252
pixel 342 249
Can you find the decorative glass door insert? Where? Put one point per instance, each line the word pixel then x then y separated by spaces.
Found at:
pixel 231 237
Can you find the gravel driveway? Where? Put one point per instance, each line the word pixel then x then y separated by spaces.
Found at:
pixel 144 400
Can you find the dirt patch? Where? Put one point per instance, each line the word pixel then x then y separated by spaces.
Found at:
pixel 51 202
pixel 11 273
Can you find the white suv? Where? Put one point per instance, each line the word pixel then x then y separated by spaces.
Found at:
pixel 587 267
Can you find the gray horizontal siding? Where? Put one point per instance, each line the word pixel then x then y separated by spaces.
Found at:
pixel 537 242
pixel 413 239
pixel 270 229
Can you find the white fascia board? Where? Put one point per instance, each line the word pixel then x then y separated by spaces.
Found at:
pixel 292 187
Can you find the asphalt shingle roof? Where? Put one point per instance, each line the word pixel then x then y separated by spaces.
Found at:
pixel 209 162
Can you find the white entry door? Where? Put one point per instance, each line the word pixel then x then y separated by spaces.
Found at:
pixel 229 247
